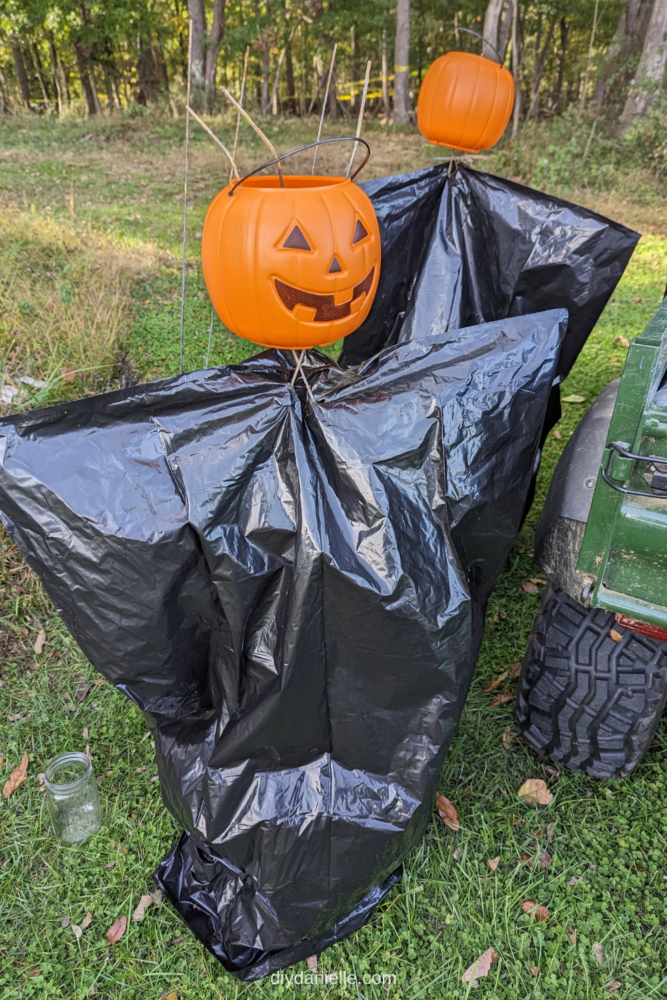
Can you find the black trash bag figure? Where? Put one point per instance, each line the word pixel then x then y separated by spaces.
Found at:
pixel 293 591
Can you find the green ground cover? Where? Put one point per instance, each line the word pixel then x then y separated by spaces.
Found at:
pixel 111 196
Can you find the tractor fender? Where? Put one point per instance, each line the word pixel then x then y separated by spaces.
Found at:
pixel 561 525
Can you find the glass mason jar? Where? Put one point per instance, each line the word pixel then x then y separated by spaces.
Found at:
pixel 71 792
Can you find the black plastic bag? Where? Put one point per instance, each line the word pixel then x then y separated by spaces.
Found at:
pixel 467 247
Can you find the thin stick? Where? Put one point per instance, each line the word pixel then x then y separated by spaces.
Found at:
pixel 185 192
pixel 324 104
pixel 238 116
pixel 298 360
pixel 210 337
pixel 214 137
pixel 305 382
pixel 256 128
pixel 360 120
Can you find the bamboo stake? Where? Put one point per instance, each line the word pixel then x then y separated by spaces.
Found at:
pixel 238 116
pixel 324 104
pixel 185 191
pixel 256 128
pixel 214 137
pixel 210 337
pixel 360 120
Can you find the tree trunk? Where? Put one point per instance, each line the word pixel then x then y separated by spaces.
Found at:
pixel 353 67
pixel 562 50
pixel 291 92
pixel 20 70
pixel 490 29
pixel 213 49
pixel 39 71
pixel 333 99
pixel 505 30
pixel 264 60
pixel 516 66
pixel 402 63
pixel 385 79
pixel 540 62
pixel 86 86
pixel 54 71
pixel 198 17
pixel 4 96
pixel 628 40
pixel 651 67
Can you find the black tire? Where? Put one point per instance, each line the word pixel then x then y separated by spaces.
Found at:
pixel 585 700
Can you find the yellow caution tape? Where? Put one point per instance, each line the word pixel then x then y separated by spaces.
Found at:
pixel 401 69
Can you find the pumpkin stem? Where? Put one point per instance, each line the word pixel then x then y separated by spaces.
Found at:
pixel 324 105
pixel 238 117
pixel 256 128
pixel 214 137
pixel 360 120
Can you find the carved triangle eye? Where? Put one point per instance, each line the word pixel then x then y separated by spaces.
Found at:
pixel 335 266
pixel 296 241
pixel 360 232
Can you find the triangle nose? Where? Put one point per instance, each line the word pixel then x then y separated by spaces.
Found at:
pixel 335 266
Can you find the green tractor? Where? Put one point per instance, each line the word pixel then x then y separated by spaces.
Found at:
pixel 594 679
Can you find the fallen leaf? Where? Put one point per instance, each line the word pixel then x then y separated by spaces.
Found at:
pixel 493 863
pixel 501 699
pixel 111 864
pixel 87 921
pixel 24 630
pixel 81 690
pixel 543 859
pixel 553 772
pixel 636 298
pixel 448 813
pixel 85 734
pixel 557 435
pixel 571 934
pixel 171 996
pixel 616 636
pixel 77 931
pixel 598 951
pixel 613 986
pixel 550 831
pixel 480 967
pixel 529 587
pixel 41 639
pixel 515 669
pixel 65 922
pixel 311 962
pixel 539 912
pixel 620 340
pixel 42 781
pixel 68 374
pixel 158 896
pixel 140 911
pixel 535 790
pixel 116 931
pixel 458 854
pixel 88 753
pixel 156 777
pixel 495 682
pixel 507 738
pixel 17 777
pixel 138 770
pixel 575 879
pixel 515 822
pixel 92 991
pixel 573 399
pixel 534 971
pixel 177 940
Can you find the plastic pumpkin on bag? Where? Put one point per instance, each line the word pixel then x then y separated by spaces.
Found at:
pixel 465 102
pixel 291 266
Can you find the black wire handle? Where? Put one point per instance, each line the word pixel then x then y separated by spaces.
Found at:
pixel 469 31
pixel 300 149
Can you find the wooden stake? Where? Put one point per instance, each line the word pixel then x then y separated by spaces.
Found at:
pixel 324 104
pixel 185 192
pixel 360 120
pixel 214 137
pixel 256 128
pixel 238 116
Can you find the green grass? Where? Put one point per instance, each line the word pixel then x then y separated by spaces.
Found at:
pixel 447 911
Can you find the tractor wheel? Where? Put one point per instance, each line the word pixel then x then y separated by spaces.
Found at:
pixel 586 699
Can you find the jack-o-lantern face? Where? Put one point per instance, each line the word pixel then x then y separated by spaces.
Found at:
pixel 294 266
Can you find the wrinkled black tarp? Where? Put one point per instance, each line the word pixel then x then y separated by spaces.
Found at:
pixel 294 592
pixel 471 248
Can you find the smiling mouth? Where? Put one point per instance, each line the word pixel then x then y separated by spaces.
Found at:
pixel 324 305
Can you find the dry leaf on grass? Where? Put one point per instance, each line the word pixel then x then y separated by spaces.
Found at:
pixel 515 669
pixel 571 934
pixel 615 635
pixel 39 643
pixel 613 986
pixel 534 971
pixel 447 812
pixel 538 580
pixel 17 777
pixel 140 911
pixel 501 699
pixel 68 374
pixel 621 340
pixel 458 854
pixel 539 912
pixel 535 790
pixel 170 996
pixel 81 690
pixel 480 967
pixel 493 863
pixel 575 879
pixel 528 587
pixel 550 831
pixel 507 738
pixel 111 864
pixel 311 962
pixel 573 399
pixel 543 859
pixel 65 922
pixel 116 931
pixel 496 681
pixel 76 931
pixel 42 781
pixel 557 435
pixel 87 921
pixel 598 951
pixel 85 733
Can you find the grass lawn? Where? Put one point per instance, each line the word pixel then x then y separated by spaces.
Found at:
pixel 90 229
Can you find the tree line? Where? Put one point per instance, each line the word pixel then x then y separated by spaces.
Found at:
pixel 73 56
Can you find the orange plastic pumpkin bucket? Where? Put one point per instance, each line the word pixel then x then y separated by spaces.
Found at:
pixel 291 266
pixel 465 102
